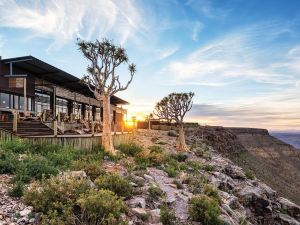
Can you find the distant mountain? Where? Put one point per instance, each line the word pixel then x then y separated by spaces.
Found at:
pixel 290 138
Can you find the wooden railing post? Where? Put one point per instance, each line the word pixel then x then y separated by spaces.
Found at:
pixel 62 127
pixel 55 128
pixel 15 122
pixel 93 128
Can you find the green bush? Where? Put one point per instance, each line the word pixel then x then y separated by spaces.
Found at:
pixel 8 162
pixel 193 166
pixel 208 167
pixel 201 150
pixel 196 183
pixel 204 209
pixel 55 195
pixel 155 149
pixel 155 193
pixel 250 174
pixel 101 207
pixel 130 149
pixel 178 184
pixel 17 146
pixel 171 171
pixel 212 192
pixel 17 190
pixel 56 198
pixel 115 183
pixel 172 133
pixel 37 167
pixel 150 158
pixel 92 169
pixel 167 216
pixel 180 157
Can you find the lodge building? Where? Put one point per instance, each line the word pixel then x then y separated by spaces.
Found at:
pixel 31 86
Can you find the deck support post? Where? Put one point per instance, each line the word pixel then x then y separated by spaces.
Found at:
pixel 93 127
pixel 15 122
pixel 62 124
pixel 55 128
pixel 25 97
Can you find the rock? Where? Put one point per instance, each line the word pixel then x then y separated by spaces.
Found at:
pixel 32 220
pixel 234 172
pixel 80 175
pixel 137 202
pixel 285 219
pixel 25 212
pixel 154 216
pixel 253 198
pixel 139 212
pixel 291 208
pixel 172 133
pixel 149 178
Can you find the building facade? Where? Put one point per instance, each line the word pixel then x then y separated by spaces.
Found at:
pixel 31 86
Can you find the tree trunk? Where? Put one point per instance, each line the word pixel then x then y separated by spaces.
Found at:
pixel 107 141
pixel 181 146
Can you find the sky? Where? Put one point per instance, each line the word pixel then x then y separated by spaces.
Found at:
pixel 241 58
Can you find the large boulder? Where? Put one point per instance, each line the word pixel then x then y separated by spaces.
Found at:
pixel 291 208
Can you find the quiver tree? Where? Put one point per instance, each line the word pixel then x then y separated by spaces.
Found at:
pixel 173 108
pixel 103 80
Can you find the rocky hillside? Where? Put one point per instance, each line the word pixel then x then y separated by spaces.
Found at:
pixel 158 186
pixel 273 161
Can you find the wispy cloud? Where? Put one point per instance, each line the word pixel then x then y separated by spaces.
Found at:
pixel 165 53
pixel 2 41
pixel 64 20
pixel 235 56
pixel 196 29
pixel 208 9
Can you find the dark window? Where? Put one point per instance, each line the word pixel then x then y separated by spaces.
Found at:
pixel 4 100
pixel 42 102
pixel 16 102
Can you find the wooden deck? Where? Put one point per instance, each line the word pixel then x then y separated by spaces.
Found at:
pixel 86 141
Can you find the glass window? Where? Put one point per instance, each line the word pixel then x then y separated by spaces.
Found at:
pixel 21 102
pixel 4 100
pixel 98 114
pixel 29 104
pixel 61 105
pixel 42 102
pixel 16 102
pixel 77 109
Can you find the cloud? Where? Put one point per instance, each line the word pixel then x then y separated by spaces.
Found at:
pixel 237 56
pixel 196 29
pixel 64 20
pixel 208 9
pixel 2 41
pixel 163 54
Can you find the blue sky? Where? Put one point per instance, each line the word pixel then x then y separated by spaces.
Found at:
pixel 241 58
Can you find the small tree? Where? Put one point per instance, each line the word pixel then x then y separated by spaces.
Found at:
pixel 102 78
pixel 149 118
pixel 173 108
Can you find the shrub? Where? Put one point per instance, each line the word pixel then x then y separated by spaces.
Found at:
pixel 155 193
pixel 178 184
pixel 100 207
pixel 130 149
pixel 38 167
pixel 171 171
pixel 196 183
pixel 92 169
pixel 17 146
pixel 150 158
pixel 55 198
pixel 8 162
pixel 155 149
pixel 161 143
pixel 212 192
pixel 204 209
pixel 250 174
pixel 167 216
pixel 115 183
pixel 172 133
pixel 208 167
pixel 180 157
pixel 201 149
pixel 194 165
pixel 17 190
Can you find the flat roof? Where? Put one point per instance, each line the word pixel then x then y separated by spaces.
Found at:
pixel 54 75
